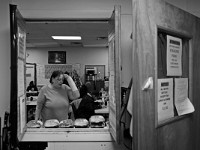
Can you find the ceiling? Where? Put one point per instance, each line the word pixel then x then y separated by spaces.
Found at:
pixel 93 33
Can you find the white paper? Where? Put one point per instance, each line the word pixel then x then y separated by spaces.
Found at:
pixel 165 99
pixel 22 113
pixel 182 102
pixel 174 56
pixel 129 109
pixel 21 43
pixel 20 76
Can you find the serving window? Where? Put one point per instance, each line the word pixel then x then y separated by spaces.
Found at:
pixel 20 101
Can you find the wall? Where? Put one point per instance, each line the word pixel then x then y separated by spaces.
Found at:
pixel 183 132
pixel 83 56
pixel 191 6
pixel 4 59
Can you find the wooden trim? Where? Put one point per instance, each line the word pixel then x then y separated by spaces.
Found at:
pixel 171 120
pixel 190 70
pixel 14 89
pixel 183 36
pixel 156 75
pixel 118 69
pixel 174 32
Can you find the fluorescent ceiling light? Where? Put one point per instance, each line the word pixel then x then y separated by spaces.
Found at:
pixel 96 45
pixel 66 37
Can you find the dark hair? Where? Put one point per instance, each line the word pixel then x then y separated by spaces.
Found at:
pixel 31 83
pixel 89 86
pixel 55 74
pixel 66 72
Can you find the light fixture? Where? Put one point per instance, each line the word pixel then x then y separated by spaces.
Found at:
pixel 66 37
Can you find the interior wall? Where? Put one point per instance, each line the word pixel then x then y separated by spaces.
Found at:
pixel 180 134
pixel 81 55
pixel 191 6
pixel 4 59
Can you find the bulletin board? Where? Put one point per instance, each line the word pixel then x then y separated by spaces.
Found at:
pixel 173 76
pixel 49 69
pixel 44 71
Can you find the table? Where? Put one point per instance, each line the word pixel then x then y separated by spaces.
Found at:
pixel 104 110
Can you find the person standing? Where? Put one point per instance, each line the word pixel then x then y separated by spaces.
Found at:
pixel 53 99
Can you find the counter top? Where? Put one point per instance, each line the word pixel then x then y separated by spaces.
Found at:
pixel 67 134
pixel 104 110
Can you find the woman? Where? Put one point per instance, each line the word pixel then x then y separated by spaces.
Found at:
pixel 53 99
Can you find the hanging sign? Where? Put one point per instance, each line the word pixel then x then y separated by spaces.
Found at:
pixel 165 99
pixel 174 55
pixel 21 43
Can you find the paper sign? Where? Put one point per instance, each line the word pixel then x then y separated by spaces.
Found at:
pixel 174 56
pixel 20 76
pixel 22 113
pixel 182 102
pixel 165 99
pixel 21 43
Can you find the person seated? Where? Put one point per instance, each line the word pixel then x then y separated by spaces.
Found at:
pixel 31 87
pixel 84 107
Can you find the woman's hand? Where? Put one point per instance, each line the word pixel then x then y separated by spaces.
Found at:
pixel 38 122
pixel 66 76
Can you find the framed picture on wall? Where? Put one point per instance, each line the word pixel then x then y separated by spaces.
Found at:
pixel 57 57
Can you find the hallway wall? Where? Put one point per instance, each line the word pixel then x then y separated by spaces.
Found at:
pixel 81 55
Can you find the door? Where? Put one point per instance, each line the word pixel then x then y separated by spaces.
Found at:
pixel 18 63
pixel 151 20
pixel 114 73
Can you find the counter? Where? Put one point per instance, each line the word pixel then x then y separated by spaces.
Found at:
pixel 67 134
pixel 79 138
pixel 104 110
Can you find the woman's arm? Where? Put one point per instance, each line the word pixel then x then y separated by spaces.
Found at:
pixel 40 105
pixel 74 92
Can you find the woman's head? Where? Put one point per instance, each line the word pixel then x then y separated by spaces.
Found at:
pixel 31 83
pixel 57 78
